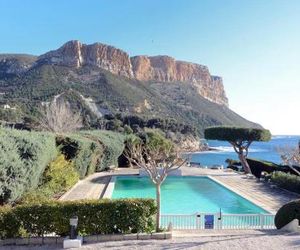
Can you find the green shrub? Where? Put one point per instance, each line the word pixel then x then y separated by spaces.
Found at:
pixel 9 225
pixel 58 177
pixel 157 140
pixel 259 166
pixel 91 151
pixel 287 181
pixel 24 156
pixel 83 152
pixel 113 146
pixel 95 217
pixel 287 213
pixel 128 129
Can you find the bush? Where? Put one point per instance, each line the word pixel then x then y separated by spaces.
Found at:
pixel 128 129
pixel 287 181
pixel 259 166
pixel 113 145
pixel 24 156
pixel 155 139
pixel 92 151
pixel 94 217
pixel 287 213
pixel 58 177
pixel 83 152
pixel 232 162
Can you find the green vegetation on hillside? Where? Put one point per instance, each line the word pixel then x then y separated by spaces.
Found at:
pixel 115 94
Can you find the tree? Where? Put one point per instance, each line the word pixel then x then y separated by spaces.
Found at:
pixel 290 156
pixel 58 117
pixel 239 138
pixel 158 157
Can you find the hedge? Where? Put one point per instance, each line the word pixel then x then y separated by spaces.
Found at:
pixel 287 213
pixel 83 152
pixel 94 217
pixel 59 176
pixel 24 156
pixel 259 166
pixel 91 151
pixel 113 146
pixel 287 181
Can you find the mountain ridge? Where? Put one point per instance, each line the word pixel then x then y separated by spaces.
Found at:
pixel 160 68
pixel 26 82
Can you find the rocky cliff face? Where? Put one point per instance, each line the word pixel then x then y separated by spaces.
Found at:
pixel 76 54
pixel 144 68
pixel 167 69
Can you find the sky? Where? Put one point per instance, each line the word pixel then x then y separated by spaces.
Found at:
pixel 253 44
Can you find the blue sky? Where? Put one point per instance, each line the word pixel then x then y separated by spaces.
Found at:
pixel 254 45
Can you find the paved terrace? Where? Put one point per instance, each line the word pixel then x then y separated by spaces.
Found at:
pixel 242 239
pixel 260 193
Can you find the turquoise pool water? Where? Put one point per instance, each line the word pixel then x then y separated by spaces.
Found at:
pixel 186 195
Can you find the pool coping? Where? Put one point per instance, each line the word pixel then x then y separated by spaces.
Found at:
pixel 110 188
pixel 255 202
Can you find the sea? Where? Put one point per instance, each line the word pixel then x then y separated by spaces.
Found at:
pixel 267 151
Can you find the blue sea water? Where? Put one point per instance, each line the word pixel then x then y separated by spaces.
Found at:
pixel 258 150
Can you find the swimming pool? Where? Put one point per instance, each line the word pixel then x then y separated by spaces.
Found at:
pixel 186 195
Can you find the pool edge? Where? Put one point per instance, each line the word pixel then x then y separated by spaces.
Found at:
pixel 111 185
pixel 255 202
pixel 110 188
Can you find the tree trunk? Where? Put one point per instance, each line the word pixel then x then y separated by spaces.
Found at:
pixel 244 163
pixel 158 207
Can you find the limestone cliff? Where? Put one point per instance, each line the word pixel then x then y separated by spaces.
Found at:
pixel 167 69
pixel 143 68
pixel 76 54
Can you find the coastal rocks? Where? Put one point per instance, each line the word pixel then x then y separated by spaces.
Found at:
pixel 185 142
pixel 76 54
pixel 167 69
pixel 189 143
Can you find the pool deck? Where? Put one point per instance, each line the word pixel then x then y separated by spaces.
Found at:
pixel 260 193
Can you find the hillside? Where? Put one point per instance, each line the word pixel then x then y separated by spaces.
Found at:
pixel 27 81
pixel 114 94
